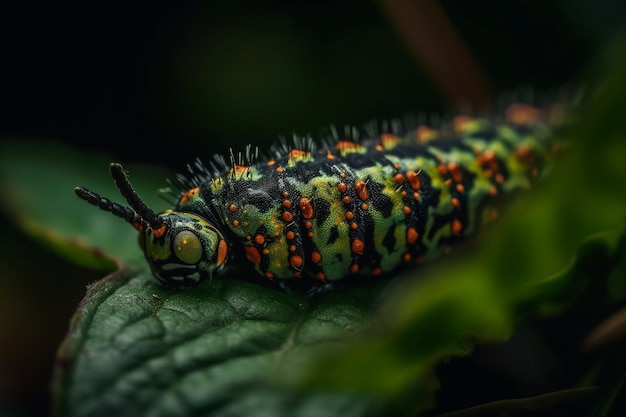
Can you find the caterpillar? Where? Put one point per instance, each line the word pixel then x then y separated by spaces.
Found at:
pixel 342 207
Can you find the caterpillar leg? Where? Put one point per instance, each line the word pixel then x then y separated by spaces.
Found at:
pixel 321 288
pixel 283 286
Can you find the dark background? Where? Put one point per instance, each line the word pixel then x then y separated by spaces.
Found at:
pixel 166 83
pixel 161 83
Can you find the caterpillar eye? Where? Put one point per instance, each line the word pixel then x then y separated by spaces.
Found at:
pixel 188 247
pixel 188 251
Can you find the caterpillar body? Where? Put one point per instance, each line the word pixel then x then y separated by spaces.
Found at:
pixel 340 208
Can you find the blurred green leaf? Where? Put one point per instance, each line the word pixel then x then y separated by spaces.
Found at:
pixel 37 180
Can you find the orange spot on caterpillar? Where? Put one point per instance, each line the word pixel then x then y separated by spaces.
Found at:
pixel 354 268
pixel 406 257
pixel 296 261
pixel 361 189
pixel 269 275
pixel 287 216
pixel 310 234
pixel 342 175
pixel 308 224
pixel 271 162
pixel 349 215
pixel 364 206
pixel 406 210
pixel 298 154
pixel 347 145
pixel 379 147
pixel 443 170
pixel 455 171
pixel 411 235
pixel 277 233
pixel 414 179
pixel 232 208
pixel 329 155
pixel 388 140
pixel 240 169
pixel 493 191
pixel 287 203
pixel 306 207
pixel 291 235
pixel 460 188
pixel 342 187
pixel 285 194
pixel 253 255
pixel 321 276
pixel 460 122
pixel 316 257
pixel 416 195
pixel 346 199
pixel 522 114
pixel 222 252
pixel 259 239
pixel 280 169
pixel 292 248
pixel 455 202
pixel 236 223
pixel 357 246
pixel 403 193
pixel 159 232
pixel 499 178
pixel 353 226
pixel 266 251
pixel 377 271
pixel 487 157
pixel 523 152
pixel 398 178
pixel 457 227
pixel 189 195
pixel 424 133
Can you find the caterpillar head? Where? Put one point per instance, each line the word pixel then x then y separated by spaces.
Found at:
pixel 181 248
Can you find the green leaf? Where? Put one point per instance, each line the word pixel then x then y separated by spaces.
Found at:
pixel 37 179
pixel 137 349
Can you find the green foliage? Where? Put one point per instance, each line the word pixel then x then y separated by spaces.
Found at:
pixel 232 347
pixel 37 179
pixel 136 348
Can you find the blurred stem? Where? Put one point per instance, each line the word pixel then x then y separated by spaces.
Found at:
pixel 435 45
